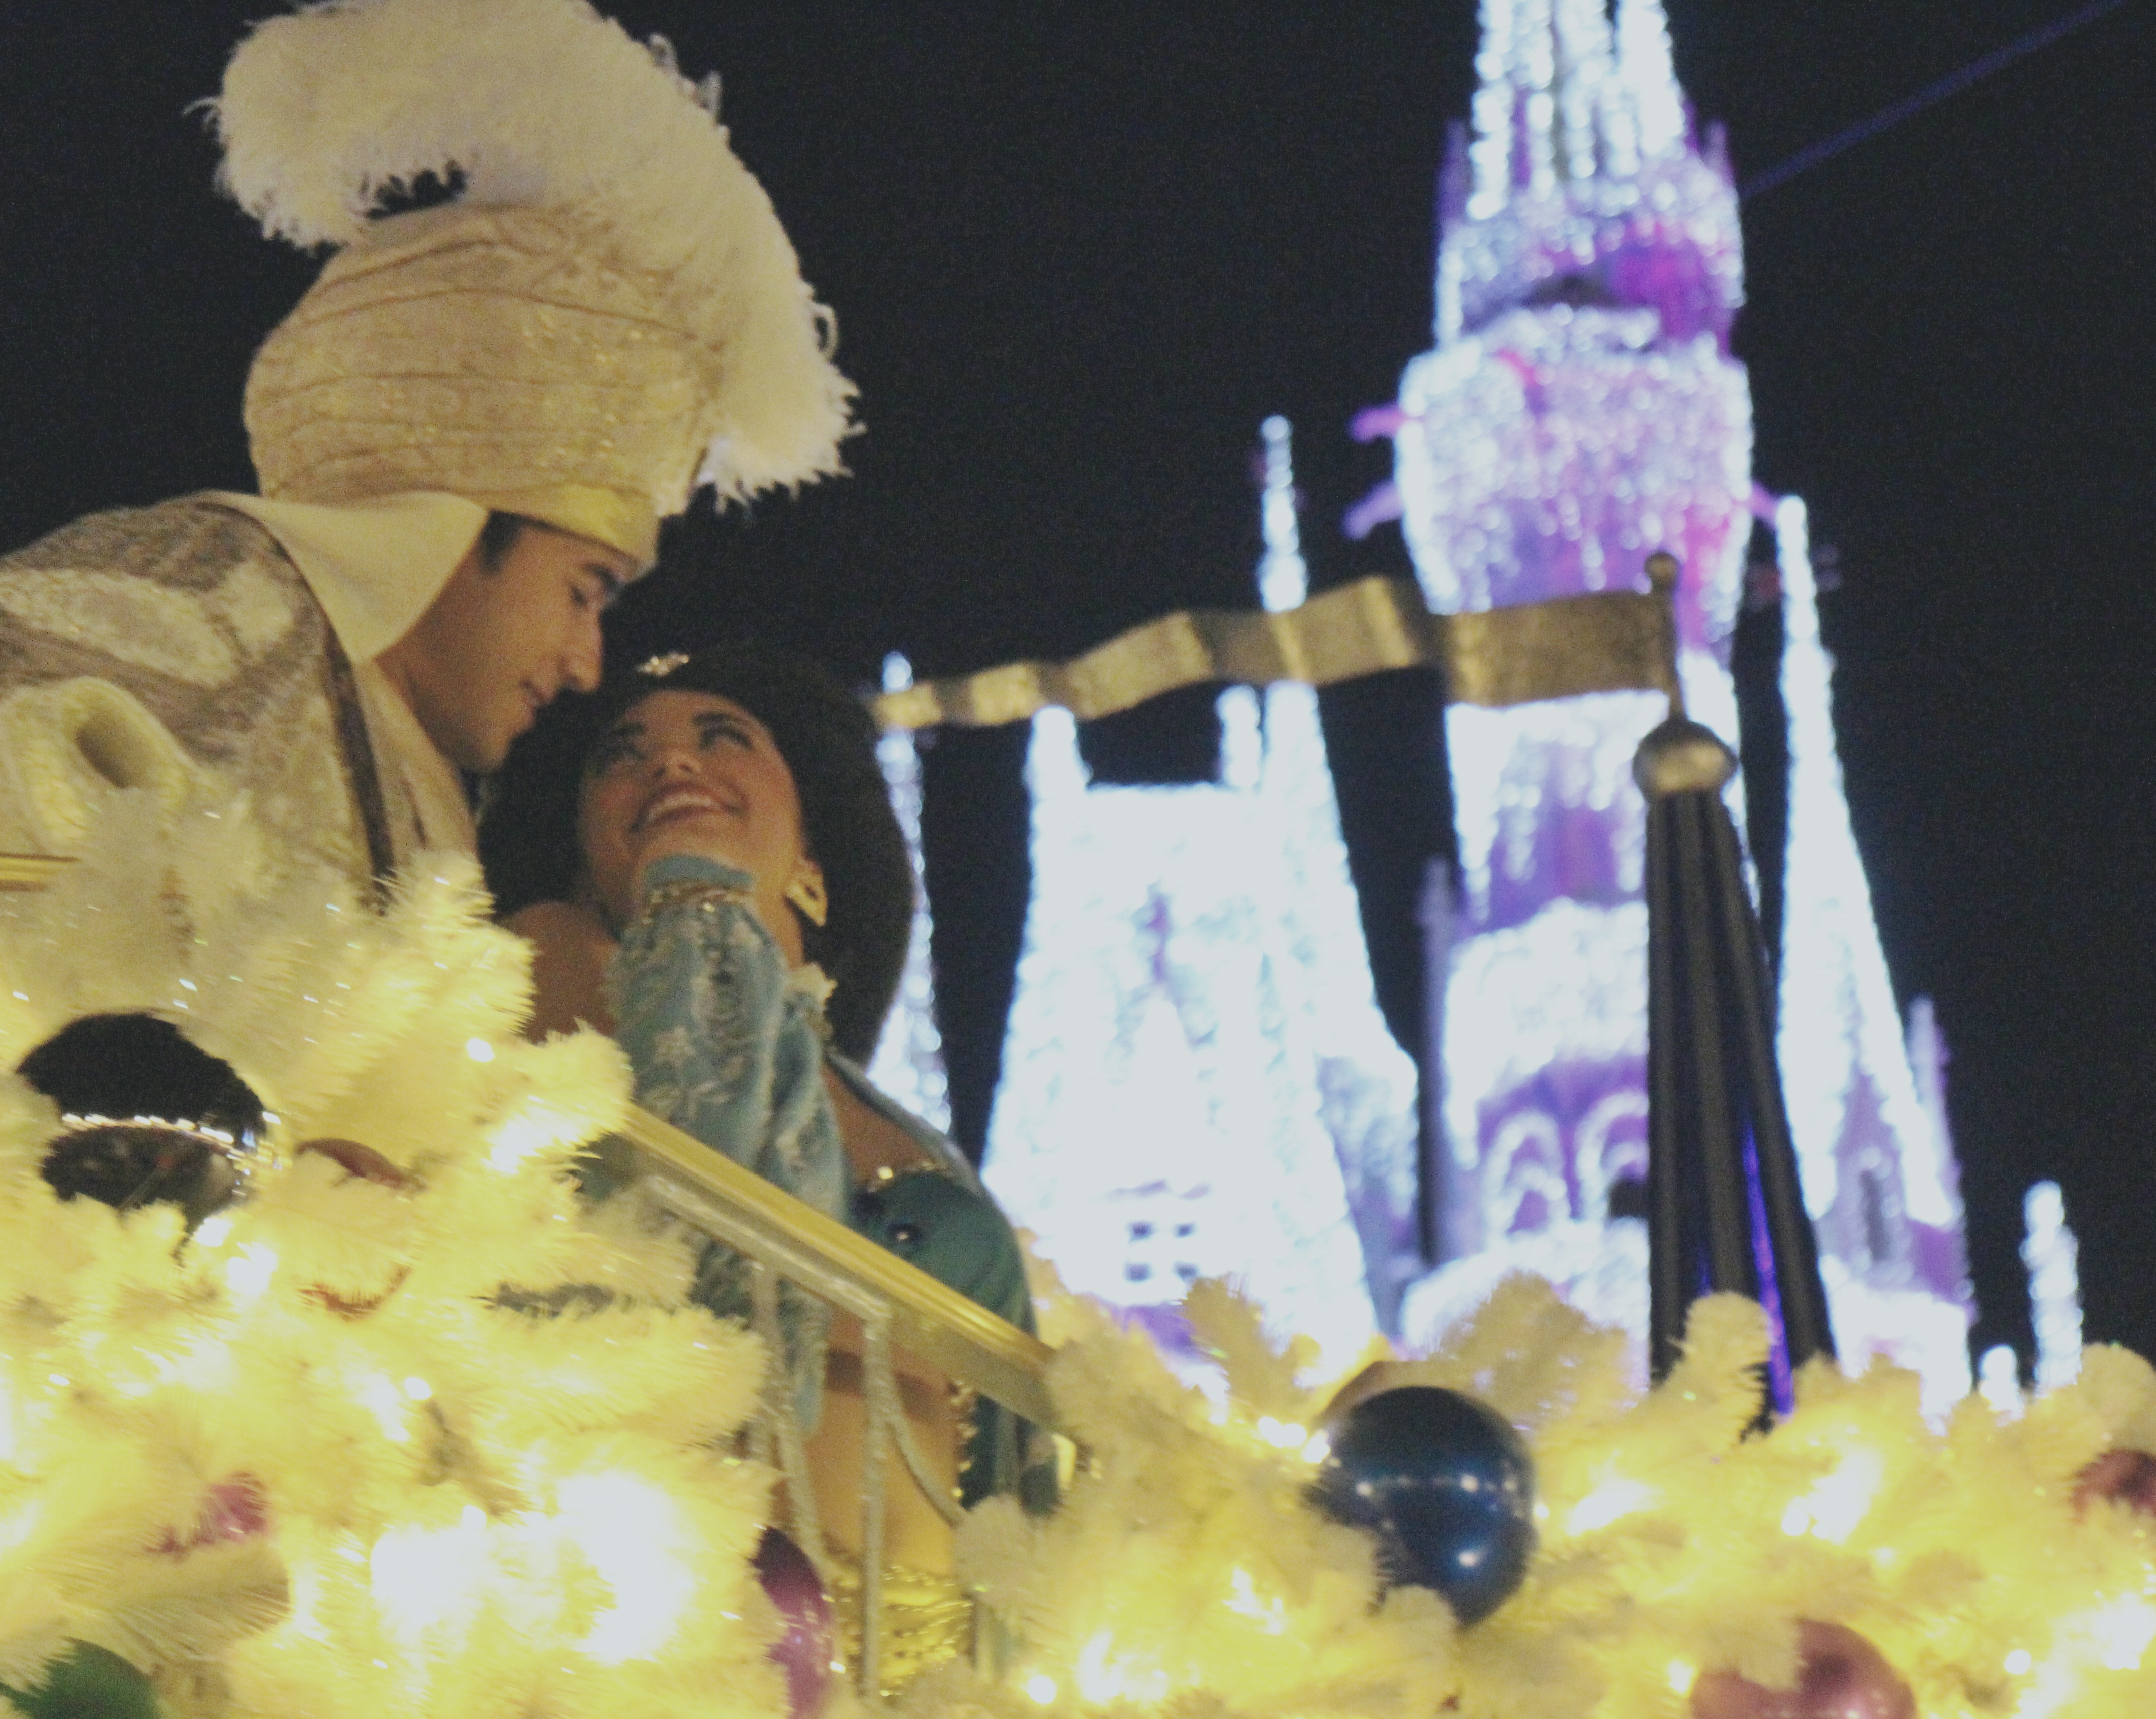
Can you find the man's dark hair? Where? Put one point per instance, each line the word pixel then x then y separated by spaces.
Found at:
pixel 497 537
pixel 527 832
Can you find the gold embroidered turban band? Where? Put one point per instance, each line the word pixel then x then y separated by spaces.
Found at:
pixel 609 315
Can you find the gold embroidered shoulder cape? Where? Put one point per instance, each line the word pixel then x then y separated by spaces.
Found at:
pixel 177 649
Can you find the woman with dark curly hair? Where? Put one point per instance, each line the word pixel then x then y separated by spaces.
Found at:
pixel 704 854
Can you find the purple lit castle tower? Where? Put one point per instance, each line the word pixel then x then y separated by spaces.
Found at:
pixel 1581 410
pixel 1196 1078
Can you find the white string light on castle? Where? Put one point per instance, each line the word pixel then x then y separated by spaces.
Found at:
pixel 908 1064
pixel 2053 1258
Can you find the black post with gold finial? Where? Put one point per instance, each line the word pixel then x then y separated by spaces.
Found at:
pixel 1725 1210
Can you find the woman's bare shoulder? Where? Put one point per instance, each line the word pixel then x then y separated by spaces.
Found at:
pixel 571 947
pixel 564 921
pixel 874 1144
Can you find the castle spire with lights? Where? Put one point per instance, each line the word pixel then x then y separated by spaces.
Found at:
pixel 1580 409
pixel 1196 1078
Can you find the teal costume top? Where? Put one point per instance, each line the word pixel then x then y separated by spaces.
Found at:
pixel 940 1219
pixel 727 1045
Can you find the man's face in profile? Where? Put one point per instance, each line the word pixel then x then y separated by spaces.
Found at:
pixel 508 632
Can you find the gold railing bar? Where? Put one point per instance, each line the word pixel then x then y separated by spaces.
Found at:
pixel 30 872
pixel 931 1320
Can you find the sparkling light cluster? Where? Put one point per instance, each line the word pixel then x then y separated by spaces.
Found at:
pixel 1551 454
pixel 1582 183
pixel 1579 412
pixel 1368 1092
pixel 1158 1119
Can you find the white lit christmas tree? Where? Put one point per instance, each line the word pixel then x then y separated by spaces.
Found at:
pixel 311 1458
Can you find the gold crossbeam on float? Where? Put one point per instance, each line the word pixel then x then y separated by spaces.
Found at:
pixel 1612 642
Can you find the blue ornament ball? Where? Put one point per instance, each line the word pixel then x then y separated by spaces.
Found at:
pixel 1444 1484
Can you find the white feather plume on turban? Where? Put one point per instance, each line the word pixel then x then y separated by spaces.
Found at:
pixel 610 305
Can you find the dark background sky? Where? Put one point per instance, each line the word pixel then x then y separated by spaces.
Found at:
pixel 1077 254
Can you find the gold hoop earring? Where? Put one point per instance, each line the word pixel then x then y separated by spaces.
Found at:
pixel 806 892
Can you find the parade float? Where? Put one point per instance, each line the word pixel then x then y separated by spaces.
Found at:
pixel 335 1394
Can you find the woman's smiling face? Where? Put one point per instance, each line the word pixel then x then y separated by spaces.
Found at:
pixel 690 773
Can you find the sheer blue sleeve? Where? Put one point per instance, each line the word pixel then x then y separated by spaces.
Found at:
pixel 728 1047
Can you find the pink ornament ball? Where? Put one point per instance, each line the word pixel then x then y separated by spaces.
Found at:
pixel 2127 1476
pixel 806 1649
pixel 1840 1676
pixel 233 1510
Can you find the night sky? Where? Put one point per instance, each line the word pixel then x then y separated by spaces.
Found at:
pixel 1077 254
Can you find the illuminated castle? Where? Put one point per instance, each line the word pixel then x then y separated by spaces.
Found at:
pixel 1581 410
pixel 1196 1077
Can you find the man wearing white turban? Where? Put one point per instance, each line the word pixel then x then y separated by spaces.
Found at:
pixel 466 435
